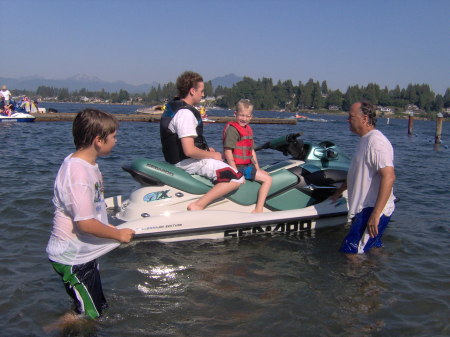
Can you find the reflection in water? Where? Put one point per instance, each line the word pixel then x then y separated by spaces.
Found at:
pixel 165 279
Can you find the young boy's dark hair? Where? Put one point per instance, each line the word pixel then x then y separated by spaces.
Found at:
pixel 186 81
pixel 91 123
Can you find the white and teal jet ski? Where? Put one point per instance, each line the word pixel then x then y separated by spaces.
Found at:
pixel 297 200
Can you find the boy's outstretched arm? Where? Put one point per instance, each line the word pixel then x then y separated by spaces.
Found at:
pixel 228 154
pixel 95 227
pixel 255 159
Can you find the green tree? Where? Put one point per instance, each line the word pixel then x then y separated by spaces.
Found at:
pixel 324 88
pixel 103 94
pixel 371 93
pixel 114 97
pixel 63 94
pixel 438 104
pixel 265 99
pixel 317 99
pixel 123 96
pixel 384 98
pixel 447 98
pixel 352 95
pixel 45 91
pixel 306 96
pixel 209 89
pixel 425 97
pixel 168 91
pixel 219 91
pixel 411 95
pixel 334 97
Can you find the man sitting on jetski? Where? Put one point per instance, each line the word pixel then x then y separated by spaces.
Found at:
pixel 184 145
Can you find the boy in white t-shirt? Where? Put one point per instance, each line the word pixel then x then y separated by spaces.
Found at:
pixel 81 232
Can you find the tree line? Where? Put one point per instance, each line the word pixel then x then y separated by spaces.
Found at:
pixel 316 95
pixel 269 96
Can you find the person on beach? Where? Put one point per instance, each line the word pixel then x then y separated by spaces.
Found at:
pixel 239 150
pixel 184 145
pixel 370 181
pixel 81 232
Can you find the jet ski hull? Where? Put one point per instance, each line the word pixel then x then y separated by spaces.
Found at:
pixel 297 202
pixel 216 224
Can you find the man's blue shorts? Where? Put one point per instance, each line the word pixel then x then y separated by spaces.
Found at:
pixel 358 240
pixel 248 171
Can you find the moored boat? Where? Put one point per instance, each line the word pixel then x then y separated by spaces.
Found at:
pixel 19 117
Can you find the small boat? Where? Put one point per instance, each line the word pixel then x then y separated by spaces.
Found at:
pixel 18 117
pixel 205 118
pixel 317 120
pixel 297 201
pixel 154 110
pixel 300 117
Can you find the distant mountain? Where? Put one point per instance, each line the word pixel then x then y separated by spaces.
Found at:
pixel 92 83
pixel 75 82
pixel 226 81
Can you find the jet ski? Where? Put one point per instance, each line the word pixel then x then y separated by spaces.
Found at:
pixel 297 200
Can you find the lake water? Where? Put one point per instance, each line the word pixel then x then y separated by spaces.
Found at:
pixel 256 286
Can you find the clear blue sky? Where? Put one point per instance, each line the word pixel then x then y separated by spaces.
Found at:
pixel 389 42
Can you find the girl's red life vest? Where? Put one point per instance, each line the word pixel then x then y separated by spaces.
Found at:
pixel 242 153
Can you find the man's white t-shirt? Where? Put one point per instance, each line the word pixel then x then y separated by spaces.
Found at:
pixel 373 153
pixel 184 124
pixel 6 94
pixel 78 195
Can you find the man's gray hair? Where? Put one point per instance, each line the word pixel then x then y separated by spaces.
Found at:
pixel 370 111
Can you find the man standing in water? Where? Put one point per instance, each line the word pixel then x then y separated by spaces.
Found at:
pixel 184 146
pixel 370 182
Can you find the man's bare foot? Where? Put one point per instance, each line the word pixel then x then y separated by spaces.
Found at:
pixel 194 207
pixel 257 211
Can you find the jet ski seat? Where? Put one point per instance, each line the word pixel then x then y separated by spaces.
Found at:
pixel 150 172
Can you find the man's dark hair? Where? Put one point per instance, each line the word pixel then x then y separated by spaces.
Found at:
pixel 186 81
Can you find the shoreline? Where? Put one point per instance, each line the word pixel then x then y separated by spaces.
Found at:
pixel 309 112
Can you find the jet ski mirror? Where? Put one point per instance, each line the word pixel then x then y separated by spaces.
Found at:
pixel 326 153
pixel 332 153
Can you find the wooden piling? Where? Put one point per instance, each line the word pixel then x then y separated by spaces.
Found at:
pixel 439 119
pixel 410 123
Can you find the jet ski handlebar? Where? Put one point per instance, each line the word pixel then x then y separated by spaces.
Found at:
pixel 279 142
pixel 287 145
